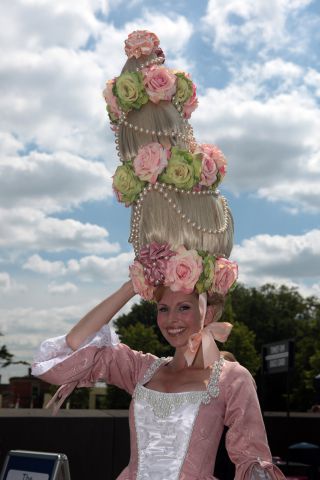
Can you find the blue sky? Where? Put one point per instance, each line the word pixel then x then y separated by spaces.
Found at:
pixel 63 237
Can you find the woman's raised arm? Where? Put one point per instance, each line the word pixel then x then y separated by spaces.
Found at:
pixel 94 320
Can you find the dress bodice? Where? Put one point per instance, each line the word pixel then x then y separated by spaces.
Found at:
pixel 164 424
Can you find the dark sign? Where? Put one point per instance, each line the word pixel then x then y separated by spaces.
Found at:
pixel 25 465
pixel 278 356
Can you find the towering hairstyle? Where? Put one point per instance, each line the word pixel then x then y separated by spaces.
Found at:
pixel 158 222
pixel 179 221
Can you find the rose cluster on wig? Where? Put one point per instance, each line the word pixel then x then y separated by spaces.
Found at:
pixel 181 270
pixel 205 168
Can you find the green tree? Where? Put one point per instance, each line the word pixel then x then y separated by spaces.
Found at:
pixel 307 360
pixel 241 343
pixel 146 314
pixel 277 313
pixel 143 338
pixel 270 311
pixel 80 398
pixel 6 358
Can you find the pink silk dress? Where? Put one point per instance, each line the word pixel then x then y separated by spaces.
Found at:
pixel 174 436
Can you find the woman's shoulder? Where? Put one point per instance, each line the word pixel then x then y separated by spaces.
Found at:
pixel 233 373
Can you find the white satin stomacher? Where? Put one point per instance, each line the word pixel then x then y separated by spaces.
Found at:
pixel 164 424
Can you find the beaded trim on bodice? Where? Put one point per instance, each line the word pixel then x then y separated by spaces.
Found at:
pixel 163 403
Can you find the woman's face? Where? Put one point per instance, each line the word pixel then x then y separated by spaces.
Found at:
pixel 178 317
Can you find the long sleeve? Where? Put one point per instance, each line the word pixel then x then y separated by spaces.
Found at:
pixel 100 357
pixel 246 440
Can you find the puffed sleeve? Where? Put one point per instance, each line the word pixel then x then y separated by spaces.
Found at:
pixel 100 357
pixel 246 440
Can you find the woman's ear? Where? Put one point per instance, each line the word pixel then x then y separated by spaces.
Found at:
pixel 213 313
pixel 210 314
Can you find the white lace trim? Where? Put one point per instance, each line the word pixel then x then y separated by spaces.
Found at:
pixel 163 403
pixel 259 473
pixel 55 350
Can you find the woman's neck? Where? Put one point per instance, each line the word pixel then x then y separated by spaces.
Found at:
pixel 178 361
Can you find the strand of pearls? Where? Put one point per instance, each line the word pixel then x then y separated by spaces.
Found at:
pixel 148 63
pixel 187 137
pixel 165 190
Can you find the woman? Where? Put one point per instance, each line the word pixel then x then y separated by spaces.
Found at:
pixel 178 412
pixel 182 233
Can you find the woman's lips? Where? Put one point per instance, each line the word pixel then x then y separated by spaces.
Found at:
pixel 173 332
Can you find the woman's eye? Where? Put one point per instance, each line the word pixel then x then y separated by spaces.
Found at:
pixel 162 309
pixel 184 307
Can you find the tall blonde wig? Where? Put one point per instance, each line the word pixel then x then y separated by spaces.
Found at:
pixel 159 222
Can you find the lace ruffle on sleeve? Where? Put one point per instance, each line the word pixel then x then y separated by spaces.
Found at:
pixel 246 440
pixel 55 350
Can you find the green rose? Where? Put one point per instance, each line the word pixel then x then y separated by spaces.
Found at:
pixel 183 169
pixel 197 165
pixel 130 91
pixel 206 278
pixel 126 184
pixel 184 88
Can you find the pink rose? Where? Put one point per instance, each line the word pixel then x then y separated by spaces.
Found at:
pixel 140 285
pixel 220 161
pixel 225 274
pixel 150 161
pixel 141 42
pixel 209 171
pixel 111 100
pixel 183 270
pixel 191 104
pixel 213 161
pixel 159 83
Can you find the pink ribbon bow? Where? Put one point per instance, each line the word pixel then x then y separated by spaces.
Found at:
pixel 207 336
pixel 61 394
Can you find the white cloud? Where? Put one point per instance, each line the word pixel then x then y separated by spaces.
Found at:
pixel 35 24
pixel 53 182
pixel 39 265
pixel 33 324
pixel 251 23
pixel 26 229
pixel 5 282
pixel 289 259
pixel 277 67
pixel 8 285
pixel 55 100
pixel 66 288
pixel 269 137
pixel 25 328
pixel 88 269
pixel 312 78
pixel 49 78
pixel 52 89
pixel 9 144
pixel 299 195
pixel 174 31
pixel 105 269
